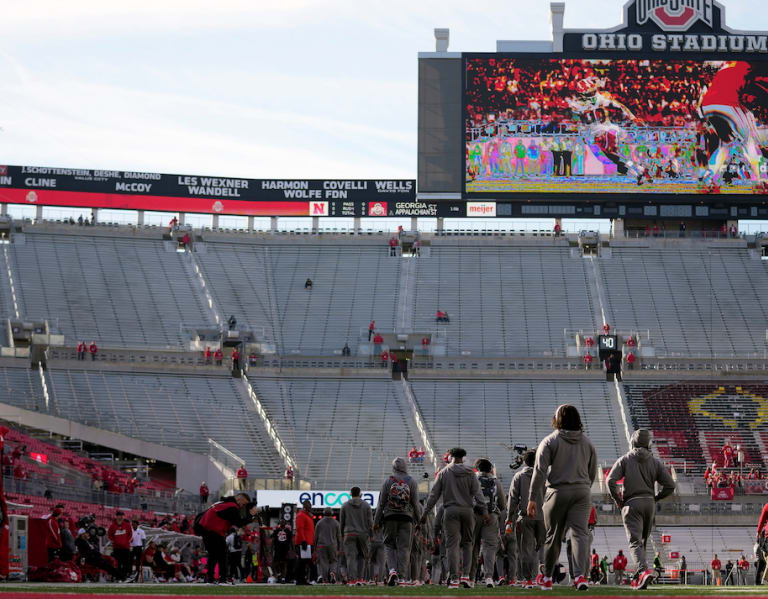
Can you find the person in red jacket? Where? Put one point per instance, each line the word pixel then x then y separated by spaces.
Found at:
pixel 717 567
pixel 208 355
pixel 218 355
pixel 385 356
pixel 727 455
pixel 93 350
pixel 631 359
pixel 213 526
pixel 120 534
pixel 762 524
pixel 606 328
pixel 52 532
pixel 304 540
pixel 588 359
pixel 235 358
pixel 378 339
pixel 371 329
pixel 242 475
pixel 204 493
pixel 81 350
pixel 619 565
pixel 393 247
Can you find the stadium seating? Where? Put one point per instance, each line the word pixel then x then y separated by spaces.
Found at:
pixel 177 411
pixel 487 418
pixel 339 430
pixel 22 388
pixel 693 302
pixel 119 291
pixel 691 420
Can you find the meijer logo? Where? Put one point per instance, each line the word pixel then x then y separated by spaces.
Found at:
pixel 481 208
pixel 674 15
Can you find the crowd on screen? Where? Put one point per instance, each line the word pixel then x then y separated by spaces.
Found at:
pixel 660 93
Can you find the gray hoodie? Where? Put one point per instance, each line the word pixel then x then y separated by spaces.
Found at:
pixel 394 507
pixel 519 491
pixel 327 532
pixel 356 517
pixel 501 498
pixel 640 471
pixel 564 458
pixel 458 486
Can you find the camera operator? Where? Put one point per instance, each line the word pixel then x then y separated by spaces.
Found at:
pixel 88 548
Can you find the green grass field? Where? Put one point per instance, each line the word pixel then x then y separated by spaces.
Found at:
pixel 255 590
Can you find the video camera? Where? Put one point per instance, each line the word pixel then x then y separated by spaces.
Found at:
pixel 518 461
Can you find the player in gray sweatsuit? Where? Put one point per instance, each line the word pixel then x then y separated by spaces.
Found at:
pixel 458 486
pixel 397 512
pixel 567 462
pixel 640 471
pixel 530 531
pixel 356 522
pixel 486 539
pixel 327 544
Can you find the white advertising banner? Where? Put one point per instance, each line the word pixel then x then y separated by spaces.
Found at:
pixel 319 499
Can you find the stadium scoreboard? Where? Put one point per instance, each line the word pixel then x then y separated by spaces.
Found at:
pixel 665 116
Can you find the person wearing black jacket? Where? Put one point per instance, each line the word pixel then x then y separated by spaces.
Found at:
pixel 214 524
pixel 88 549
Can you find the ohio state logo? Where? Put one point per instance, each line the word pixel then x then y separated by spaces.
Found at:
pixel 674 15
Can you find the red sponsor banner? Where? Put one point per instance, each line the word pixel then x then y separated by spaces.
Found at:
pixel 46 197
pixel 755 487
pixel 39 457
pixel 666 538
pixel 725 494
pixel 674 555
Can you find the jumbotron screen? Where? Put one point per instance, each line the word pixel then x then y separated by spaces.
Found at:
pixel 544 125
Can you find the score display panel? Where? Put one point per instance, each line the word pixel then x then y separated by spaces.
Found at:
pixel 544 128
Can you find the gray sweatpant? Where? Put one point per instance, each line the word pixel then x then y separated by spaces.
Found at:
pixel 638 515
pixel 511 555
pixel 458 527
pixel 532 535
pixel 356 552
pixel 397 541
pixel 377 562
pixel 485 541
pixel 566 508
pixel 326 560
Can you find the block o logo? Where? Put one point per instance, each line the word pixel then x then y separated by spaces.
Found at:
pixel 377 208
pixel 674 15
pixel 218 206
pixel 32 197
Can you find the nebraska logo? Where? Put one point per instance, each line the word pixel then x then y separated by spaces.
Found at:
pixel 377 208
pixel 319 208
pixel 674 15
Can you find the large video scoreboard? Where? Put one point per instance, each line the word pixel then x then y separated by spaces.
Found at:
pixel 665 116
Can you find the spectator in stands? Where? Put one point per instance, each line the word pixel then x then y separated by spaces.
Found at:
pixel 88 549
pixel 174 222
pixel 441 316
pixel 327 547
pixel 346 351
pixel 393 246
pixel 567 462
pixel 417 248
pixel 305 541
pixel 208 355
pixel 378 339
pixel 589 342
pixel 232 322
pixel 588 359
pixel 19 472
pixel 138 538
pixel 558 229
pixel 743 568
pixel 371 329
pixel 385 357
pixel 727 455
pixel 397 511
pixel 53 532
pixel 253 359
pixel 682 229
pixel 606 329
pixel 356 520
pixel 289 474
pixel 716 565
pixel 739 456
pixel 412 455
pixel 235 359
pixel 185 240
pixel 619 565
pixel 631 342
pixel 655 229
pixel 641 471
pixel 242 475
pixel 67 551
pixel 425 342
pixel 733 230
pixel 218 356
pixel 81 349
pixel 308 284
pixel 120 534
pixel 93 350
pixel 214 524
pixel 631 360
pixel 204 493
pixel 458 487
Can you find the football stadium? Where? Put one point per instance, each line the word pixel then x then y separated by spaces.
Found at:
pixel 539 367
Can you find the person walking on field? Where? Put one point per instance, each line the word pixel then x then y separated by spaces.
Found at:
pixel 566 462
pixel 487 534
pixel 356 529
pixel 532 532
pixel 640 471
pixel 460 491
pixel 327 545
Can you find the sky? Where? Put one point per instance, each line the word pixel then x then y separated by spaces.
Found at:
pixel 245 88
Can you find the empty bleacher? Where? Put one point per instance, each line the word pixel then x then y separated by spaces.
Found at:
pixel 691 420
pixel 701 302
pixel 488 418
pixel 21 387
pixel 339 431
pixel 503 301
pixel 118 291
pixel 176 411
